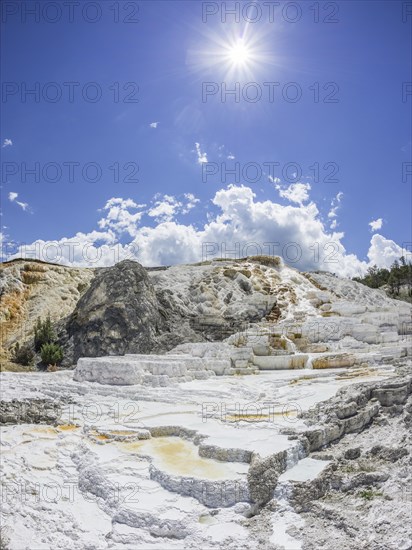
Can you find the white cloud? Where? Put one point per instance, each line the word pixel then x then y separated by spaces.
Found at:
pixel 168 206
pixel 7 142
pixel 118 217
pixel 12 198
pixel 153 124
pixel 335 205
pixel 383 252
pixel 94 249
pixel 294 232
pixel 231 157
pixel 376 224
pixel 296 192
pixel 201 156
pixel 273 180
pixel 165 209
pixel 191 202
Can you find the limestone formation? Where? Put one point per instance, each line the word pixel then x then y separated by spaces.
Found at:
pixel 234 404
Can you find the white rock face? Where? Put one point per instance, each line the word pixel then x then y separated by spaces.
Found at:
pixel 153 370
pixel 313 314
pixel 282 362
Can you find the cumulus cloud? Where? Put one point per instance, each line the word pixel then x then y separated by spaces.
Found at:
pixel 296 192
pixel 153 124
pixel 13 198
pixel 7 143
pixel 94 249
pixel 201 155
pixel 167 207
pixel 376 224
pixel 242 226
pixel 383 252
pixel 273 180
pixel 118 218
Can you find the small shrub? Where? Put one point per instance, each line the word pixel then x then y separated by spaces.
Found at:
pixel 51 354
pixel 22 355
pixel 43 333
pixel 369 494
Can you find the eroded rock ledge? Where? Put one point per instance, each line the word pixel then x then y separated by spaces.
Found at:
pixel 353 408
pixel 30 411
pixel 362 496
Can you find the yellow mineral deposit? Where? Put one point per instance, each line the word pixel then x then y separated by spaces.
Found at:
pixel 179 457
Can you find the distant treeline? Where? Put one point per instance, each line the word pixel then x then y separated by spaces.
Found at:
pixel 398 277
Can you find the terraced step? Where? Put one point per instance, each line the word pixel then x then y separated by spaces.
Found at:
pixel 281 362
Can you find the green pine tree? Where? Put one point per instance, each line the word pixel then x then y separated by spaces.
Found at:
pixel 43 333
pixel 51 354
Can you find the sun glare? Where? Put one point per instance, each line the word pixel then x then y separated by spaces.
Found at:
pixel 233 53
pixel 239 54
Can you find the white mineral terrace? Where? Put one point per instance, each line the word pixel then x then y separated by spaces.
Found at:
pixel 142 466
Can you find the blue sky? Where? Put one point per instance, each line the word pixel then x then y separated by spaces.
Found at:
pixel 173 135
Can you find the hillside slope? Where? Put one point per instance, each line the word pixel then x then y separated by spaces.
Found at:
pixel 129 309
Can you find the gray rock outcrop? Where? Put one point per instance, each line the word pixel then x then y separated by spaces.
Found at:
pixel 121 313
pixel 29 411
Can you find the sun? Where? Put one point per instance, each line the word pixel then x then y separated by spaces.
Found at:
pixel 235 53
pixel 239 54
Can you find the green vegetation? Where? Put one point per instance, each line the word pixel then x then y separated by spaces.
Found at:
pixel 359 466
pixel 43 333
pixel 398 277
pixel 22 355
pixel 51 354
pixel 44 343
pixel 369 494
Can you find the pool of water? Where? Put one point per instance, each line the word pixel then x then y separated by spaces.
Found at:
pixel 180 457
